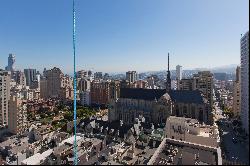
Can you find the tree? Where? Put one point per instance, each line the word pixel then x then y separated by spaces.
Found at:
pixel 228 111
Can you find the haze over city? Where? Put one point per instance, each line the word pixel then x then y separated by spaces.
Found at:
pixel 116 36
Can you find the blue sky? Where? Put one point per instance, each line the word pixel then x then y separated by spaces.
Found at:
pixel 121 35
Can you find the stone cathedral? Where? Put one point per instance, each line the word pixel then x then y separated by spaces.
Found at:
pixel 155 105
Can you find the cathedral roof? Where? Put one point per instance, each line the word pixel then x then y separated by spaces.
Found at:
pixel 179 96
pixel 143 94
pixel 187 96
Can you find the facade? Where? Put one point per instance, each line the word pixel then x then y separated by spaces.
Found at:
pixel 244 42
pixel 100 92
pixel 173 84
pixel 203 81
pixel 155 105
pixel 4 96
pixel 131 76
pixel 82 74
pixel 237 94
pixel 85 98
pixel 151 82
pixel 115 89
pixel 178 72
pixel 11 63
pixel 191 104
pixel 43 88
pixel 140 84
pixel 17 115
pixel 185 84
pixel 30 75
pixel 56 85
pixel 84 84
pixel 152 104
pixel 21 79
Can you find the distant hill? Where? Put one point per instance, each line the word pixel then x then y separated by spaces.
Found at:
pixel 221 69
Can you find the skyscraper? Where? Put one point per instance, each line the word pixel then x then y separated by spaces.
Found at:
pixel 131 76
pixel 203 81
pixel 30 75
pixel 11 63
pixel 168 85
pixel 4 96
pixel 236 93
pixel 178 72
pixel 244 43
pixel 17 115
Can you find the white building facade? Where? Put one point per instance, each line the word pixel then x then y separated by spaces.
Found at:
pixel 244 42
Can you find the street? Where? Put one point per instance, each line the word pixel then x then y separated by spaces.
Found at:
pixel 234 152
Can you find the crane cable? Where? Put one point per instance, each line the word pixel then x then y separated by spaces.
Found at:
pixel 74 52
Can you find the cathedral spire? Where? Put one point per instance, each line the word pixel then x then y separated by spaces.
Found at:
pixel 168 61
pixel 168 85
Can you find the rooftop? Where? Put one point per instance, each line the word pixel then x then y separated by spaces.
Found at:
pixel 179 96
pixel 37 158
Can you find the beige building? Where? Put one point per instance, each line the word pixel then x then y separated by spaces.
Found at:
pixel 190 130
pixel 56 85
pixel 17 115
pixel 188 142
pixel 83 84
pixel 185 84
pixel 140 84
pixel 237 94
pixel 203 81
pixel 4 96
pixel 100 92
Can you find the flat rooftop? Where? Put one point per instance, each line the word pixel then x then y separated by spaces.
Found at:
pixel 36 159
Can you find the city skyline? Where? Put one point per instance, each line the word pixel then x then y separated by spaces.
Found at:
pixel 122 36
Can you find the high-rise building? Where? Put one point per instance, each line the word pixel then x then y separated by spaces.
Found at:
pixel 115 89
pixel 237 94
pixel 30 75
pixel 11 62
pixel 19 78
pixel 151 82
pixel 131 76
pixel 140 84
pixel 203 81
pixel 85 98
pixel 4 96
pixel 178 72
pixel 84 84
pixel 82 74
pixel 185 84
pixel 100 92
pixel 56 85
pixel 17 115
pixel 244 43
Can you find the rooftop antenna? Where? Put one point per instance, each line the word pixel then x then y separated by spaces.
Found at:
pixel 74 52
